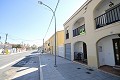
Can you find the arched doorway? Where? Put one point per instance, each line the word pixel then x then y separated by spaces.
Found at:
pixel 109 50
pixel 109 53
pixel 80 52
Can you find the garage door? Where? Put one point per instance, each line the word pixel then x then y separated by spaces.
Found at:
pixel 68 51
pixel 61 51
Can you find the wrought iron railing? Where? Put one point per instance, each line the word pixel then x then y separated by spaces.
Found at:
pixel 79 31
pixel 109 17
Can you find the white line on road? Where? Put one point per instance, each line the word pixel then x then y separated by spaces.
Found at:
pixel 11 63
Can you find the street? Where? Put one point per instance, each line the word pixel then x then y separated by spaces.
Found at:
pixel 36 66
pixel 19 66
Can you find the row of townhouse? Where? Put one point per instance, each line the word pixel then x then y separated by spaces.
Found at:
pixel 91 35
pixel 49 45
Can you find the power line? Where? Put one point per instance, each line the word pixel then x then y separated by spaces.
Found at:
pixel 51 19
pixel 17 38
pixel 57 5
pixel 49 26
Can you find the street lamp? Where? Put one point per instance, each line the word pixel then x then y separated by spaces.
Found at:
pixel 40 2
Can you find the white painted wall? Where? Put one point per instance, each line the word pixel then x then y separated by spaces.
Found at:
pixel 106 55
pixel 61 51
pixel 78 47
pixel 79 23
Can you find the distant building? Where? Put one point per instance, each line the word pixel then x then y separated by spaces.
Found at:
pixel 49 45
pixel 5 47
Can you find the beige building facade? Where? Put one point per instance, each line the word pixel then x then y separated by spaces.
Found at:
pixel 50 44
pixel 92 33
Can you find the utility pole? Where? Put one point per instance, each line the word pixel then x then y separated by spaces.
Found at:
pixel 5 42
pixel 40 2
pixel 6 38
pixel 0 40
pixel 43 45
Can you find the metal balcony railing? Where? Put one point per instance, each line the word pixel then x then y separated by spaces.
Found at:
pixel 79 31
pixel 109 17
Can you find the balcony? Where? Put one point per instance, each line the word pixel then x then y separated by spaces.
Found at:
pixel 79 31
pixel 110 16
pixel 67 36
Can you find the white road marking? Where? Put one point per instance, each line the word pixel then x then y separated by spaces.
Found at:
pixel 24 71
pixel 2 67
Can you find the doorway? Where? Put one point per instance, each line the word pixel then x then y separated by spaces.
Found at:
pixel 85 51
pixel 116 46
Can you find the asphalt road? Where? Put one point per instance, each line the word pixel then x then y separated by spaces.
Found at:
pixel 6 59
pixel 16 65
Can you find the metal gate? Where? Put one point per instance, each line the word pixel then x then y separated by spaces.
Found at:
pixel 61 50
pixel 68 51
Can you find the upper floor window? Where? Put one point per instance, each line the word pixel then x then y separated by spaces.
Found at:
pixel 79 31
pixel 67 33
pixel 48 44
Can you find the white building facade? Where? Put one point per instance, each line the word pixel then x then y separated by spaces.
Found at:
pixel 92 33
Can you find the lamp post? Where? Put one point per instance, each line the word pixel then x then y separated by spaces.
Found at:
pixel 40 2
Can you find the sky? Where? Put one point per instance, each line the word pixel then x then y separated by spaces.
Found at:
pixel 26 21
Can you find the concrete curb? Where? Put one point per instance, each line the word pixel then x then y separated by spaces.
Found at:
pixel 40 68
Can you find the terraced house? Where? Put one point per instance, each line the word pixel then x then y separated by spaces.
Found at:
pixel 50 44
pixel 92 34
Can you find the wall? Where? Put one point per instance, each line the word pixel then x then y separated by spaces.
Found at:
pixel 106 56
pixel 61 51
pixel 60 43
pixel 79 23
pixel 78 47
pixel 60 38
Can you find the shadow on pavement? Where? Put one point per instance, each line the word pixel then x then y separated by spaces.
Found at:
pixel 29 76
pixel 22 62
pixel 28 68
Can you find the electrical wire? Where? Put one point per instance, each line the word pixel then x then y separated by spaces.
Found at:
pixel 51 19
pixel 48 26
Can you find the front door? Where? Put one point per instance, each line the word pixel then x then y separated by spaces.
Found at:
pixel 85 50
pixel 68 51
pixel 116 45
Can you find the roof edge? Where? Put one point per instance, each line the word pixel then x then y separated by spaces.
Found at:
pixel 86 3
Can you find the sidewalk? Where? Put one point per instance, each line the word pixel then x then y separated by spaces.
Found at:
pixel 68 70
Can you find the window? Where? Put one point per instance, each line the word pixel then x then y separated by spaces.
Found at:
pixel 67 33
pixel 79 31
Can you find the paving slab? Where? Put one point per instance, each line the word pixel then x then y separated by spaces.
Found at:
pixel 69 70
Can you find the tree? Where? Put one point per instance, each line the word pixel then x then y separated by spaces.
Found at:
pixel 34 47
pixel 16 46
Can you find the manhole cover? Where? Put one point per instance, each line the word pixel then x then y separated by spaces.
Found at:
pixel 35 62
pixel 89 69
pixel 88 72
pixel 78 68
